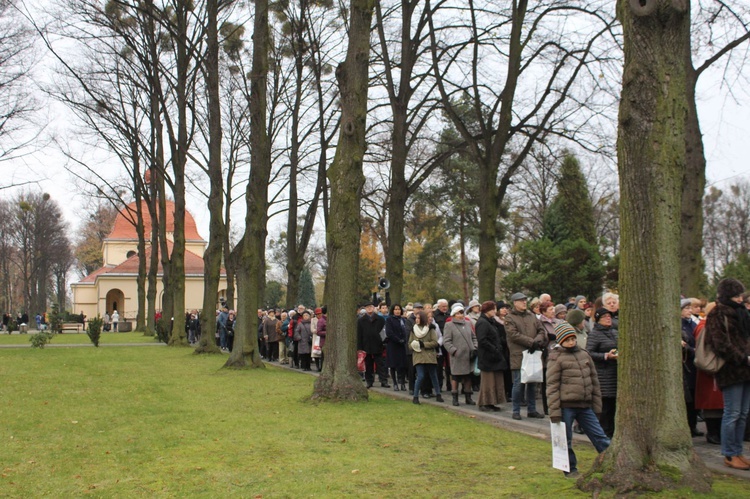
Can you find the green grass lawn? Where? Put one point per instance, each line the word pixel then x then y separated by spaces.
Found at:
pixel 161 422
pixel 68 338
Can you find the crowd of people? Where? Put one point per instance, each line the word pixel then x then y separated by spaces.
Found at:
pixel 474 351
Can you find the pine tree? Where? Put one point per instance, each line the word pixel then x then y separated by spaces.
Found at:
pixel 306 288
pixel 566 261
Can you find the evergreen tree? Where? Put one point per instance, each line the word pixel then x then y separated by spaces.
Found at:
pixel 570 215
pixel 306 288
pixel 566 261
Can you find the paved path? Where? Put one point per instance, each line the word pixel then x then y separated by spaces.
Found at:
pixel 711 454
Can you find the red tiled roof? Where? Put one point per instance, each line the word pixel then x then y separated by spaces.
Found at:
pixel 193 266
pixel 124 226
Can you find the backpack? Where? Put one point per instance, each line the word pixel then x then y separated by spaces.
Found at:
pixel 705 358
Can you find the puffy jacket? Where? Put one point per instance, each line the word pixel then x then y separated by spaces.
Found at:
pixel 572 381
pixel 523 329
pixel 600 341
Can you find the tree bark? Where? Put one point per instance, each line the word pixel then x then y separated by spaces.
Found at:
pixel 652 448
pixel 339 379
pixel 692 278
pixel 179 159
pixel 251 268
pixel 213 254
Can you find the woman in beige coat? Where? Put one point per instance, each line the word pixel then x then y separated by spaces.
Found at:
pixel 423 343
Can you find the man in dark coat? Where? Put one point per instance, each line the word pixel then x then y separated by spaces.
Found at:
pixel 370 342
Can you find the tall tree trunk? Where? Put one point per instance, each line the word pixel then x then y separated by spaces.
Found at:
pixel 692 277
pixel 212 256
pixel 140 323
pixel 179 159
pixel 652 448
pixel 339 379
pixel 251 268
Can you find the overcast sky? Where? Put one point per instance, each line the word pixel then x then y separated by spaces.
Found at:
pixel 724 116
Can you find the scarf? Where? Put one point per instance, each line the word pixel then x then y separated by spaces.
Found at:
pixel 421 331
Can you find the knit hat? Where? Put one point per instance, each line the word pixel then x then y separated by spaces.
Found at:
pixel 575 317
pixel 457 307
pixel 685 302
pixel 415 346
pixel 560 309
pixel 728 288
pixel 502 304
pixel 563 331
pixel 600 313
pixel 579 298
pixel 474 303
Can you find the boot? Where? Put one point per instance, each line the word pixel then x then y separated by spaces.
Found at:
pixel 415 400
pixel 455 398
pixel 403 387
pixel 439 398
pixel 469 400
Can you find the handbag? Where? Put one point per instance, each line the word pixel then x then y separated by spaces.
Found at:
pixel 317 352
pixel 532 369
pixel 361 361
pixel 705 358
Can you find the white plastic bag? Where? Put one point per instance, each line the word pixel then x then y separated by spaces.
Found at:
pixel 532 369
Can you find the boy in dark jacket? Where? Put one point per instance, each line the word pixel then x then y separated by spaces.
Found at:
pixel 573 392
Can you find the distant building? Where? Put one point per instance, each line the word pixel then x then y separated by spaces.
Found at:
pixel 114 285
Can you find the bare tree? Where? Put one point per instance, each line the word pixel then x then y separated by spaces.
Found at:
pixel 339 379
pixel 506 122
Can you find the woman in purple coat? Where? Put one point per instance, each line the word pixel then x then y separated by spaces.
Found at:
pixel 396 334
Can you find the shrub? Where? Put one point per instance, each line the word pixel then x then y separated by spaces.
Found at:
pixel 41 338
pixel 94 329
pixel 55 319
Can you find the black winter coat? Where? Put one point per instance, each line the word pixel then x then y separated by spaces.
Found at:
pixel 600 341
pixel 396 332
pixel 492 355
pixel 688 359
pixel 728 342
pixel 368 334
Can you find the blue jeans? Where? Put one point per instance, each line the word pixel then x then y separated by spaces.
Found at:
pixel 589 423
pixel 736 408
pixel 223 337
pixel 517 393
pixel 432 372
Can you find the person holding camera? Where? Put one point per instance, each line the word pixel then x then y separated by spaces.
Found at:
pixel 602 346
pixel 460 342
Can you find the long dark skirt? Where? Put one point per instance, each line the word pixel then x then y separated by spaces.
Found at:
pixel 491 388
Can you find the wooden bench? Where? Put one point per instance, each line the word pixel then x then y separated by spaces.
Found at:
pixel 72 326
